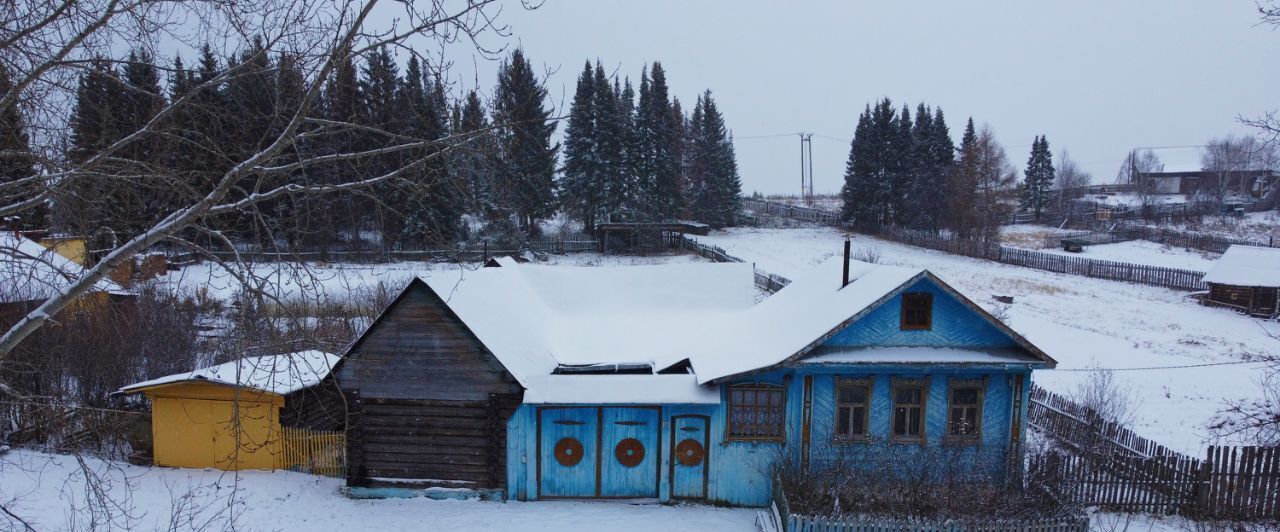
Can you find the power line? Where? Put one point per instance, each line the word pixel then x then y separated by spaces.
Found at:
pixel 1168 367
pixel 753 137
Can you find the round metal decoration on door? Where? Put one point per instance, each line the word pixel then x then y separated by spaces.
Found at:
pixel 629 452
pixel 690 453
pixel 568 452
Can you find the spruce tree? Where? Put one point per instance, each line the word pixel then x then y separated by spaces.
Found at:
pixel 963 185
pixel 664 197
pixel 713 168
pixel 526 176
pixel 380 108
pixel 17 163
pixel 611 135
pixel 581 189
pixel 860 186
pixel 899 167
pixel 1039 177
pixel 625 194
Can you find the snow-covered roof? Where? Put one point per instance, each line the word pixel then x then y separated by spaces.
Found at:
pixel 797 317
pixel 619 389
pixel 537 318
pixel 919 355
pixel 279 374
pixel 1246 266
pixel 30 271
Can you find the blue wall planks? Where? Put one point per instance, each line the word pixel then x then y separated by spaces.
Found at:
pixel 954 325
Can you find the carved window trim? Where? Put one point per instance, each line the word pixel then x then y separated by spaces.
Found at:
pixel 772 426
pixel 975 434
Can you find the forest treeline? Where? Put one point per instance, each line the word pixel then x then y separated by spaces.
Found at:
pixel 906 171
pixel 478 168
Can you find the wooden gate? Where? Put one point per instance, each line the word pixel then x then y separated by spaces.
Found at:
pixel 690 455
pixel 598 452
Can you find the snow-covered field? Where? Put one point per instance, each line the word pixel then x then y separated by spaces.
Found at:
pixel 340 281
pixel 46 490
pixel 1083 323
pixel 1144 252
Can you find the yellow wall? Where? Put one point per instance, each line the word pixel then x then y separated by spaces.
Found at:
pixel 74 249
pixel 196 425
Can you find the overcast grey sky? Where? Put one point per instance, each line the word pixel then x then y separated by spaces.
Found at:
pixel 1097 77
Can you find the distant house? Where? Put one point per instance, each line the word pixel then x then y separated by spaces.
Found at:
pixel 671 383
pixel 233 416
pixel 1246 278
pixel 31 273
pixel 1257 183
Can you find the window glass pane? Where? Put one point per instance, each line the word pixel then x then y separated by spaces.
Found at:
pixel 856 424
pixel 842 421
pixel 964 396
pixel 899 421
pixel 853 394
pixel 914 416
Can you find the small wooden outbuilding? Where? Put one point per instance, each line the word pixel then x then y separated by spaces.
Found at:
pixel 228 416
pixel 1246 278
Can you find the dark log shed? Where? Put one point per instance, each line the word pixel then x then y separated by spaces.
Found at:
pixel 427 403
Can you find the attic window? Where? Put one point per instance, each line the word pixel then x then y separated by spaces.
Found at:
pixel 917 311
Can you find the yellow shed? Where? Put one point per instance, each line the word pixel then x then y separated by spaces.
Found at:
pixel 228 416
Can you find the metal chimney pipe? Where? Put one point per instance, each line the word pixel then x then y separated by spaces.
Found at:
pixel 844 281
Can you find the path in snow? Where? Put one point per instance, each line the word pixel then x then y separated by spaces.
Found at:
pixel 1079 321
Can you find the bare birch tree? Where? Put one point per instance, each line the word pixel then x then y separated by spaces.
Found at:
pixel 45 46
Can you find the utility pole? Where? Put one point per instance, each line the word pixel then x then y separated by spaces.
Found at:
pixel 806 167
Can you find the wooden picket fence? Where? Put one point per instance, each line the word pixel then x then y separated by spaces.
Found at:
pixel 1110 466
pixel 766 281
pixel 809 523
pixel 311 451
pixel 1194 240
pixel 1174 278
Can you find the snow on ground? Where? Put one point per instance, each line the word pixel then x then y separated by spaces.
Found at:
pixel 43 489
pixel 1083 323
pixel 1144 252
pixel 1253 226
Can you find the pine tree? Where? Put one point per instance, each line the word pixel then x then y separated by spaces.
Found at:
pixel 526 176
pixel 96 123
pixel 1039 177
pixel 17 162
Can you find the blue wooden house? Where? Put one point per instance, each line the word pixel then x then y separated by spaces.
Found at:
pixel 674 383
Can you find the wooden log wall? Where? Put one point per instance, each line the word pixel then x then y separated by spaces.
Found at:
pixel 441 443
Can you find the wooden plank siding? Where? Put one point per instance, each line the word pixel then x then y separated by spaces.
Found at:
pixel 427 402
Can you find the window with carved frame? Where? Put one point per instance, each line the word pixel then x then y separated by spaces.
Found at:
pixel 756 412
pixel 964 410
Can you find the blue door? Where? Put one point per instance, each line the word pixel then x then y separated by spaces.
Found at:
pixel 568 439
pixel 629 451
pixel 689 456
